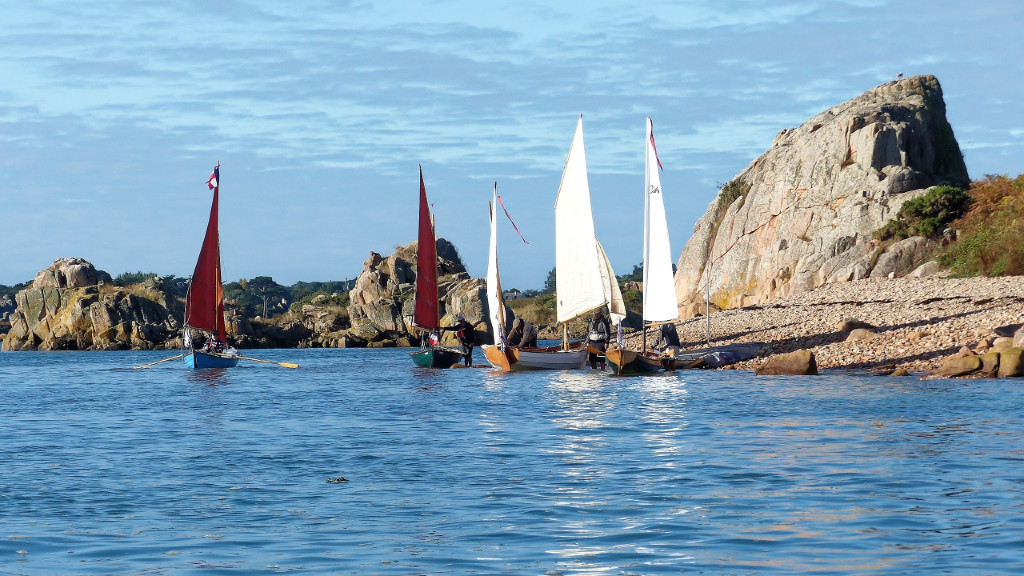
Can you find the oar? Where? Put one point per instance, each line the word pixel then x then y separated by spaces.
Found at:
pixel 285 364
pixel 159 361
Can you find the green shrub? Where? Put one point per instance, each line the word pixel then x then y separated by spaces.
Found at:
pixel 927 215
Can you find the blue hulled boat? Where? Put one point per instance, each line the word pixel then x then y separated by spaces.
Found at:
pixel 204 303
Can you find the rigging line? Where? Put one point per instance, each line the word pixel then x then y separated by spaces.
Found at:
pixel 505 210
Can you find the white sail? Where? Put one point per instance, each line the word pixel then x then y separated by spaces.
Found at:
pixel 578 283
pixel 610 284
pixel 494 301
pixel 659 296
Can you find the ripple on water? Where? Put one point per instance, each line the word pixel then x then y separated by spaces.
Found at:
pixel 105 469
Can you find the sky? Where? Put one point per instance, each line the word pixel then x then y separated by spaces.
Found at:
pixel 114 113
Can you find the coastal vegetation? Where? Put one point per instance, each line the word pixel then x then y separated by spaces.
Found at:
pixel 927 215
pixel 988 239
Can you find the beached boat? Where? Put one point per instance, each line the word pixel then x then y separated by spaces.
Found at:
pixel 584 280
pixel 204 303
pixel 659 295
pixel 427 311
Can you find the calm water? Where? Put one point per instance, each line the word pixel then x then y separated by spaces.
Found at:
pixel 106 470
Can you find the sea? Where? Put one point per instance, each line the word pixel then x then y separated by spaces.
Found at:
pixel 360 463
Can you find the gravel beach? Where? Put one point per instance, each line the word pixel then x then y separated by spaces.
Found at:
pixel 917 322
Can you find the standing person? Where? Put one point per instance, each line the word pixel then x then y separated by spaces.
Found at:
pixel 668 344
pixel 464 332
pixel 523 334
pixel 598 333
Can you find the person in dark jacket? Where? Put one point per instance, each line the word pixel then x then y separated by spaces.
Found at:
pixel 599 332
pixel 668 344
pixel 523 334
pixel 464 332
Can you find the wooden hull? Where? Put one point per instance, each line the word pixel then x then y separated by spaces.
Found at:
pixel 521 359
pixel 630 362
pixel 197 360
pixel 437 357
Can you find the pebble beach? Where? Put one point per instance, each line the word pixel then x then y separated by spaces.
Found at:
pixel 914 323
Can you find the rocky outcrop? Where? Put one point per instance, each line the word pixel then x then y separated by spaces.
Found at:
pixel 803 213
pixel 382 300
pixel 73 306
pixel 7 306
pixel 70 273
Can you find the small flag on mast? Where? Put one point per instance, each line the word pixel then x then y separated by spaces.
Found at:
pixel 214 178
pixel 655 147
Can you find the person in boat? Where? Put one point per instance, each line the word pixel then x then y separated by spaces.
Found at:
pixel 464 332
pixel 523 334
pixel 599 331
pixel 214 346
pixel 668 345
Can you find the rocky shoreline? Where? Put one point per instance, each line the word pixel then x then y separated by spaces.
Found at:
pixel 909 323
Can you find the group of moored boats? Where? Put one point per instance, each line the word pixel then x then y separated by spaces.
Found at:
pixel 584 280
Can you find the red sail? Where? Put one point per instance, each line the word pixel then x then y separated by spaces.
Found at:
pixel 204 305
pixel 427 314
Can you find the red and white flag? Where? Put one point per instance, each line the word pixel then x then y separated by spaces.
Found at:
pixel 214 178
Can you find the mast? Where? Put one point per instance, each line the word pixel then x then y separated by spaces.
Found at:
pixel 204 302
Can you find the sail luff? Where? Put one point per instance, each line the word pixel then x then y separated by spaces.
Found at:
pixel 578 283
pixel 659 296
pixel 495 304
pixel 204 302
pixel 427 312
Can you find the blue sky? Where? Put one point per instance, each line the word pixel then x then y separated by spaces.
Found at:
pixel 113 113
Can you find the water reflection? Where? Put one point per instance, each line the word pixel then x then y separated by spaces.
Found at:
pixel 208 377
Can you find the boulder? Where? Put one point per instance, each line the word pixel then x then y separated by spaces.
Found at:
pixel 70 273
pixel 801 362
pixel 989 364
pixel 959 366
pixel 900 258
pixel 861 334
pixel 803 214
pixel 929 268
pixel 1018 338
pixel 851 324
pixel 1010 364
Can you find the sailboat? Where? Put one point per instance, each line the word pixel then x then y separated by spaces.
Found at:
pixel 584 276
pixel 499 355
pixel 427 312
pixel 204 302
pixel 659 296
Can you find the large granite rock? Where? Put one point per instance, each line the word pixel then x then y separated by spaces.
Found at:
pixel 803 213
pixel 383 298
pixel 61 310
pixel 70 273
